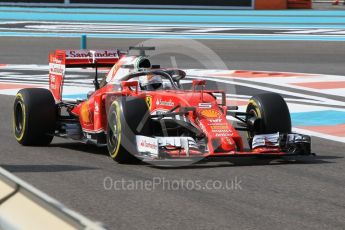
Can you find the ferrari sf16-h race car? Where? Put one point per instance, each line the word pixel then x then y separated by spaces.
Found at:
pixel 157 124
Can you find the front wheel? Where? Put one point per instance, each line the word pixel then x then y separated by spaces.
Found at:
pixel 126 119
pixel 273 113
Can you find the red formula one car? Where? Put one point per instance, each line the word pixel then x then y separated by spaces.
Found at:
pixel 163 122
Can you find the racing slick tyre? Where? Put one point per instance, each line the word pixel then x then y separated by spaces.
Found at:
pixel 34 117
pixel 127 117
pixel 273 113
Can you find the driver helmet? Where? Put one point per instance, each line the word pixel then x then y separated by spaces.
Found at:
pixel 150 82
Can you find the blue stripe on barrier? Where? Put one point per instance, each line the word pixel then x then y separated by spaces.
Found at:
pixel 170 19
pixel 75 96
pixel 225 18
pixel 318 118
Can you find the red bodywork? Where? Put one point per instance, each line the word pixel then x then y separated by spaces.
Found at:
pixel 209 114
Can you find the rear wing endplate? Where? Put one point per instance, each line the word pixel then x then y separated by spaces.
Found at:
pixel 59 60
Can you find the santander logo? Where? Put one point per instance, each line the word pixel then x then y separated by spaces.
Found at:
pixel 88 54
pixel 146 144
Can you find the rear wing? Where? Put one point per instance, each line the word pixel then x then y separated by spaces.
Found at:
pixel 59 60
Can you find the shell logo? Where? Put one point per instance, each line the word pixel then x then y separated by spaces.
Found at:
pixel 210 113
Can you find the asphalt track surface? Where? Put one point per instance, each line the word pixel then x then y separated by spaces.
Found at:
pixel 304 195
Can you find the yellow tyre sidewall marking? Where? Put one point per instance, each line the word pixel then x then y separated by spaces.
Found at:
pixel 257 111
pixel 118 129
pixel 21 101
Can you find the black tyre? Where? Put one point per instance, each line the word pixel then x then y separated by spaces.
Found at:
pixel 273 112
pixel 127 117
pixel 34 117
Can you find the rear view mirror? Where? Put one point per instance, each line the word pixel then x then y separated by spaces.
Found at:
pixel 128 84
pixel 198 82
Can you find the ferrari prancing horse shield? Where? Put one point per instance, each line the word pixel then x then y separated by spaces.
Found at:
pixel 148 100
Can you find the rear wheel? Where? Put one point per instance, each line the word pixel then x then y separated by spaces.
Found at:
pixel 273 113
pixel 34 116
pixel 126 119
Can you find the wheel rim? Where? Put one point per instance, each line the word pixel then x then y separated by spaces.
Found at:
pixel 253 112
pixel 19 118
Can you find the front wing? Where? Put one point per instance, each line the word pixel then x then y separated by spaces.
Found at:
pixel 265 146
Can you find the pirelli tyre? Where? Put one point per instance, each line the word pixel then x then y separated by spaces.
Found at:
pixel 127 117
pixel 273 114
pixel 34 116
